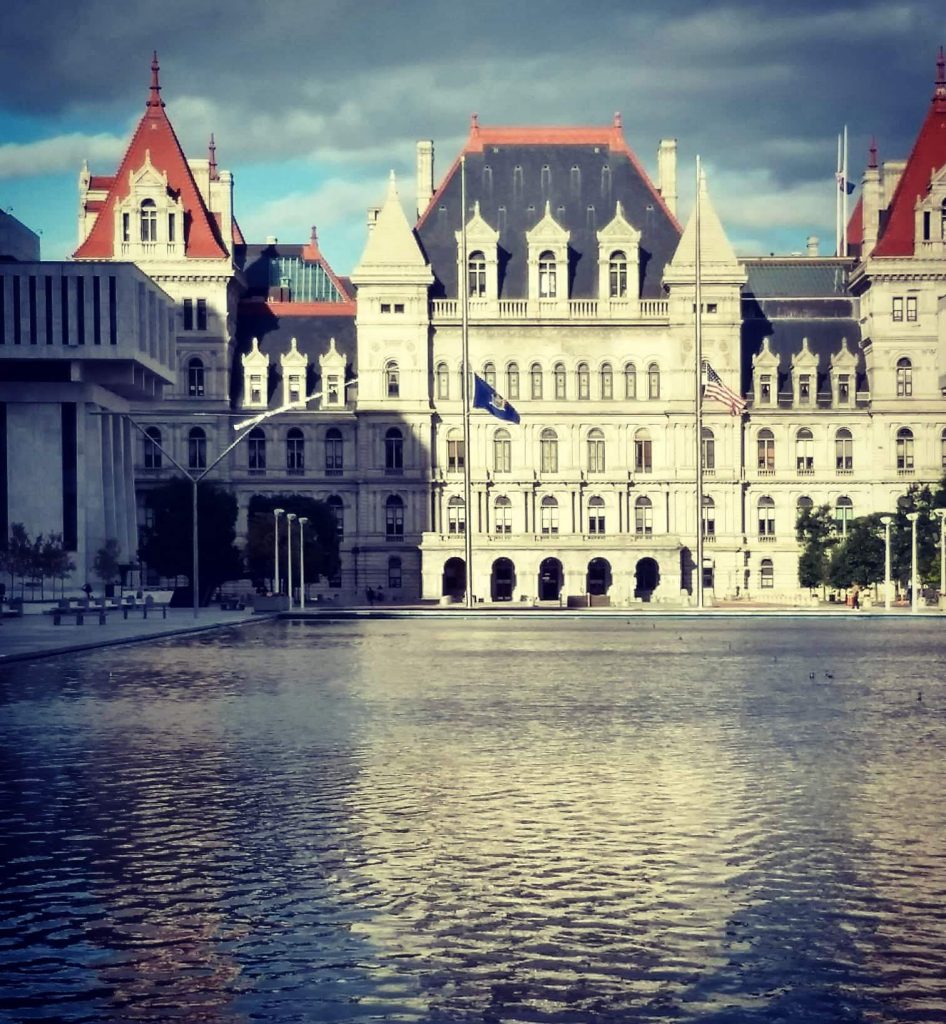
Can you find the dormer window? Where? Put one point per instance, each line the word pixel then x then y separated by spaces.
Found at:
pixel 765 389
pixel 172 227
pixel 294 387
pixel 617 275
pixel 844 389
pixel 256 389
pixel 149 221
pixel 477 275
pixel 548 278
pixel 126 227
pixel 804 388
pixel 332 394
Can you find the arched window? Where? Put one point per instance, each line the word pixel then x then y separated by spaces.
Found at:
pixel 443 381
pixel 643 452
pixel 394 518
pixel 535 377
pixel 843 450
pixel 334 452
pixel 477 275
pixel 709 450
pixel 502 451
pixel 548 447
pixel 630 380
pixel 195 378
pixel 337 508
pixel 653 381
pixel 512 381
pixel 394 574
pixel 456 451
pixel 596 515
pixel 560 380
pixel 584 382
pixel 643 515
pixel 843 513
pixel 152 454
pixel 607 382
pixel 596 451
pixel 617 275
pixel 766 510
pixel 709 516
pixel 804 452
pixel 489 374
pixel 905 450
pixel 196 449
pixel 804 504
pixel 392 379
pixel 766 574
pixel 456 515
pixel 765 448
pixel 295 451
pixel 549 515
pixel 548 284
pixel 502 515
pixel 256 450
pixel 149 221
pixel 393 451
pixel 904 378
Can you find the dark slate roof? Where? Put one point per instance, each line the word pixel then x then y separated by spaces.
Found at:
pixel 799 278
pixel 258 260
pixel 583 201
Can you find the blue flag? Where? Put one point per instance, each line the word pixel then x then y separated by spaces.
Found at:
pixel 488 398
pixel 843 184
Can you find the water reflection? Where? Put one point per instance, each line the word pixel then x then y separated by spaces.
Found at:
pixel 529 821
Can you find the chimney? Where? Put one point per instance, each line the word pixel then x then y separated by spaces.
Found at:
pixel 872 202
pixel 667 173
pixel 812 246
pixel 425 174
pixel 373 212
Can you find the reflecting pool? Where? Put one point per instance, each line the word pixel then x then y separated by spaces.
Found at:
pixel 527 820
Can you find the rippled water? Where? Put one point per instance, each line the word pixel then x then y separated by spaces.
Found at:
pixel 646 820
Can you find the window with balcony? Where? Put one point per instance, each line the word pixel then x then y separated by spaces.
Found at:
pixel 394 518
pixel 456 516
pixel 596 451
pixel 765 451
pixel 152 453
pixel 148 221
pixel 334 452
pixel 295 451
pixel 502 451
pixel 477 275
pixel 548 283
pixel 905 450
pixel 708 450
pixel 843 450
pixel 256 450
pixel 393 451
pixel 195 378
pixel 596 522
pixel 548 451
pixel 617 275
pixel 643 452
pixel 896 311
pixel 643 515
pixel 548 515
pixel 502 515
pixel 804 452
pixel 709 517
pixel 766 517
pixel 911 309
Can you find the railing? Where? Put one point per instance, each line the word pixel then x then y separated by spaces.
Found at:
pixel 906 472
pixel 844 472
pixel 766 472
pixel 766 538
pixel 574 309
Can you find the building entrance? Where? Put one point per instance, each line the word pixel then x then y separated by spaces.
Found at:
pixel 647 578
pixel 598 580
pixel 454 578
pixel 550 579
pixel 502 580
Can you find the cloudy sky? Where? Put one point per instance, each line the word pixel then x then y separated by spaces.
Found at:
pixel 313 101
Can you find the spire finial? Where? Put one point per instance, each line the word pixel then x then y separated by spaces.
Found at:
pixel 939 91
pixel 154 95
pixel 617 120
pixel 474 122
pixel 212 158
pixel 314 238
pixel 872 154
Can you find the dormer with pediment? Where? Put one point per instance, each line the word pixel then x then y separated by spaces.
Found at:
pixel 149 219
pixel 482 260
pixel 294 365
pixel 255 378
pixel 843 373
pixel 765 377
pixel 548 264
pixel 619 263
pixel 930 218
pixel 804 376
pixel 332 369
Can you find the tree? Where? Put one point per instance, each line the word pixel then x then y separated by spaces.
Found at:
pixel 923 499
pixel 321 536
pixel 18 560
pixel 166 545
pixel 106 564
pixel 858 560
pixel 55 561
pixel 817 532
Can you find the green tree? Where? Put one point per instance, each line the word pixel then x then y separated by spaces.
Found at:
pixel 18 560
pixel 57 564
pixel 321 537
pixel 858 559
pixel 166 545
pixel 816 531
pixel 106 564
pixel 921 498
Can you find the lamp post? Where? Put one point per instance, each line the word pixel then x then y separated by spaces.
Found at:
pixel 914 604
pixel 277 512
pixel 886 520
pixel 302 521
pixel 941 515
pixel 290 516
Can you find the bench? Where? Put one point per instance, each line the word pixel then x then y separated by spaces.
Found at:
pixel 231 604
pixel 78 614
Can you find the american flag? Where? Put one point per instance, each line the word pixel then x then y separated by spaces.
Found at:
pixel 715 388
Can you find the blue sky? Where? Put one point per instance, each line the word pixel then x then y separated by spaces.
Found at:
pixel 313 101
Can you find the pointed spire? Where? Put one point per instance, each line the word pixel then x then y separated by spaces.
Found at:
pixel 872 154
pixel 212 159
pixel 154 94
pixel 939 93
pixel 617 120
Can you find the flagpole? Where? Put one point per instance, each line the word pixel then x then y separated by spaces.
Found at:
pixel 463 288
pixel 837 202
pixel 698 345
pixel 844 199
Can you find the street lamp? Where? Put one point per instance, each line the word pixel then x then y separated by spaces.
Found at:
pixel 914 605
pixel 290 516
pixel 886 520
pixel 277 512
pixel 302 521
pixel 941 515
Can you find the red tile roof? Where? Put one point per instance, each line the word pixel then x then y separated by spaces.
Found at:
pixel 855 226
pixel 155 137
pixel 101 181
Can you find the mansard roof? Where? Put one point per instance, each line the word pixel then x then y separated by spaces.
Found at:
pixel 154 139
pixel 582 173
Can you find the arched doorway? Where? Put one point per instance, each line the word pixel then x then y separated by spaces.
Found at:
pixel 550 579
pixel 454 578
pixel 598 580
pixel 502 580
pixel 647 578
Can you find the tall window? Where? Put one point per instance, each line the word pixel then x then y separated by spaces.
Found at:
pixel 456 516
pixel 512 381
pixel 804 388
pixel 607 382
pixel 477 277
pixel 584 382
pixel 149 221
pixel 337 508
pixel 911 309
pixel 295 451
pixel 334 452
pixel 195 378
pixel 766 574
pixel 596 515
pixel 904 378
pixel 548 448
pixel 502 451
pixel 196 449
pixel 489 374
pixel 843 450
pixel 256 450
pixel 765 450
pixel 394 574
pixel 942 449
pixel 559 374
pixel 548 285
pixel 152 454
pixel 201 314
pixel 392 380
pixel 643 515
pixel 843 513
pixel 456 453
pixel 535 377
pixel 765 389
pixel 630 380
pixel 766 511
pixel 844 389
pixel 804 451
pixel 643 452
pixel 905 450
pixel 502 515
pixel 709 450
pixel 394 518
pixel 617 275
pixel 896 311
pixel 443 381
pixel 256 389
pixel 294 387
pixel 548 513
pixel 596 451
pixel 393 451
pixel 709 517
pixel 804 504
pixel 653 381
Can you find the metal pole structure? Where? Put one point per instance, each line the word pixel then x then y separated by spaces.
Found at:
pixel 195 550
pixel 698 345
pixel 914 604
pixel 941 514
pixel 302 521
pixel 290 518
pixel 277 512
pixel 463 288
pixel 886 520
